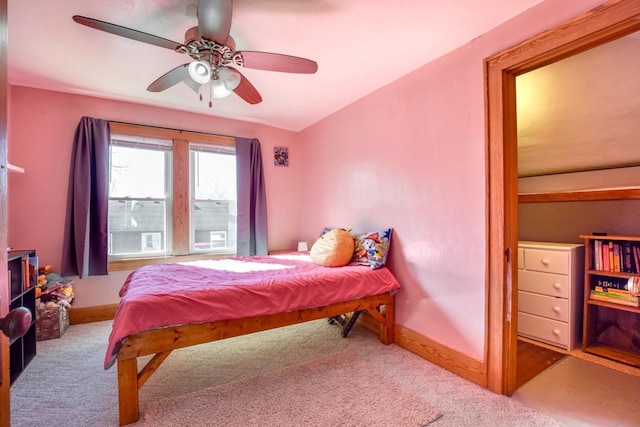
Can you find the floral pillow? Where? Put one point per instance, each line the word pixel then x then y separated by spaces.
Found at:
pixel 372 248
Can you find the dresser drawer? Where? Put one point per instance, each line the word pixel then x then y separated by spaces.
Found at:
pixel 520 258
pixel 544 306
pixel 555 285
pixel 539 328
pixel 546 261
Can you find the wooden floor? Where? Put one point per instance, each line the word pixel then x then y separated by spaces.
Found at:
pixel 532 360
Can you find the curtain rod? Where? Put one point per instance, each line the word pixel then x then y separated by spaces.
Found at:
pixel 174 129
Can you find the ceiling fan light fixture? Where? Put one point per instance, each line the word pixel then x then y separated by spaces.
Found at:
pixel 229 77
pixel 200 71
pixel 218 89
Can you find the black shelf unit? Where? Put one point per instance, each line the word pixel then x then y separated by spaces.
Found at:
pixel 23 276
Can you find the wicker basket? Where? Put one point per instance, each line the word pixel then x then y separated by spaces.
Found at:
pixel 51 322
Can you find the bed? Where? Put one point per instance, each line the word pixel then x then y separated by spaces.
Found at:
pixel 170 306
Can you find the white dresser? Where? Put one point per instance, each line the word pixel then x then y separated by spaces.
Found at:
pixel 550 290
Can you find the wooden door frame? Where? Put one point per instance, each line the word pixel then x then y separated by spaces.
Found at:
pixel 4 286
pixel 607 22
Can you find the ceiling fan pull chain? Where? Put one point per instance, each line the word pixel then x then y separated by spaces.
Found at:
pixel 210 94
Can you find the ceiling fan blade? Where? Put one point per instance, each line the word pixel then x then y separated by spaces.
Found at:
pixel 278 62
pixel 170 78
pixel 246 91
pixel 126 32
pixel 214 19
pixel 195 86
pixel 231 43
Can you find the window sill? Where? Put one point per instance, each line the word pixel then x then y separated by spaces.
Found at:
pixel 133 263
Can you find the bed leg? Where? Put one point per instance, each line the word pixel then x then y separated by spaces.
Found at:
pixel 387 329
pixel 128 404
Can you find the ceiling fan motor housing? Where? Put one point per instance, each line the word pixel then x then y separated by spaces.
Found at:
pixel 202 49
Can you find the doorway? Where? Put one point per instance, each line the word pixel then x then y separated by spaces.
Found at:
pixel 603 24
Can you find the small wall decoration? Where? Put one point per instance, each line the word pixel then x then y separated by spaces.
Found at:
pixel 281 156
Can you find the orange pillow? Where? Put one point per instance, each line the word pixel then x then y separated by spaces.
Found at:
pixel 333 249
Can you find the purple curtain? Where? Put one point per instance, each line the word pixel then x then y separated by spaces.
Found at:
pixel 85 248
pixel 252 200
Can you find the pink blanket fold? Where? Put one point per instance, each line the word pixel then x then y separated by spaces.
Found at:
pixel 163 295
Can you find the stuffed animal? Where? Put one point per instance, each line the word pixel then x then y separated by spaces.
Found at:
pixel 46 269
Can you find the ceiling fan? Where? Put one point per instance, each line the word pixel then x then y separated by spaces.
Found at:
pixel 213 52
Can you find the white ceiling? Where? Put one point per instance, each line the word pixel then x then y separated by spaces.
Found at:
pixel 359 45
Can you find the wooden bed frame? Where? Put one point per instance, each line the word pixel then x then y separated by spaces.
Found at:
pixel 162 341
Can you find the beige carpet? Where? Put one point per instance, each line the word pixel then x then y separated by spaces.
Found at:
pixel 337 390
pixel 65 384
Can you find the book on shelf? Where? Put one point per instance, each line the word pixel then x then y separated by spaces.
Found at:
pixel 608 283
pixel 605 258
pixel 613 291
pixel 615 297
pixel 626 263
pixel 616 256
pixel 25 273
pixel 33 271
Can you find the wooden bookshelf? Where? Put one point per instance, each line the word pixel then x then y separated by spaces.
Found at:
pixel 609 328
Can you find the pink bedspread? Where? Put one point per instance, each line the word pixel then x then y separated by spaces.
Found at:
pixel 162 295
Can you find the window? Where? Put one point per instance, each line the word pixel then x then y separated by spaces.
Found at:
pixel 213 209
pixel 171 193
pixel 139 196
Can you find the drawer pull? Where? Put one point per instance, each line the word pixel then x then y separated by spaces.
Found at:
pixel 556 285
pixel 556 309
pixel 545 262
pixel 556 332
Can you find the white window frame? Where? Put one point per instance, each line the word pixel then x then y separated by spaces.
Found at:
pixel 147 143
pixel 178 238
pixel 211 148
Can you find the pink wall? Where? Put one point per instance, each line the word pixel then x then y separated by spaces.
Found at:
pixel 412 156
pixel 42 125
